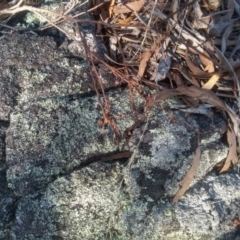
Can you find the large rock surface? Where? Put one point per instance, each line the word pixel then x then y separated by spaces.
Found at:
pixel 52 183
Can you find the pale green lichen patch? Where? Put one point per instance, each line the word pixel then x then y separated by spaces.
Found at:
pixel 54 135
pixel 75 207
pixel 169 144
pixel 39 70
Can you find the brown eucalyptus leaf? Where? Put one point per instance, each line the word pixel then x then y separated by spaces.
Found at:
pixel 212 4
pixel 197 10
pixel 110 10
pixel 194 92
pixel 202 23
pixel 143 63
pixel 209 66
pixel 232 154
pixel 166 93
pixel 204 95
pixel 189 176
pixel 212 81
pixel 129 7
pixel 125 21
pixel 215 23
pixel 175 8
pixel 196 71
pixel 177 77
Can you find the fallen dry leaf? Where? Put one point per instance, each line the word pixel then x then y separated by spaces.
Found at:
pixel 143 63
pixel 236 222
pixel 209 66
pixel 189 176
pixel 175 8
pixel 197 10
pixel 232 154
pixel 196 71
pixel 110 10
pixel 212 81
pixel 177 77
pixel 193 91
pixel 212 4
pixel 204 95
pixel 216 22
pixel 166 93
pixel 125 21
pixel 129 7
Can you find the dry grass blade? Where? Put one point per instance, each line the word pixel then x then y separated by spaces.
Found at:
pixel 189 176
pixel 232 154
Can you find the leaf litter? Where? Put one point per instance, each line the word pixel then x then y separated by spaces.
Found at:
pixel 186 35
pixel 172 47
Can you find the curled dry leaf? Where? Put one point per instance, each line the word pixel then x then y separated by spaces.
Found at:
pixel 129 7
pixel 232 154
pixel 189 176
